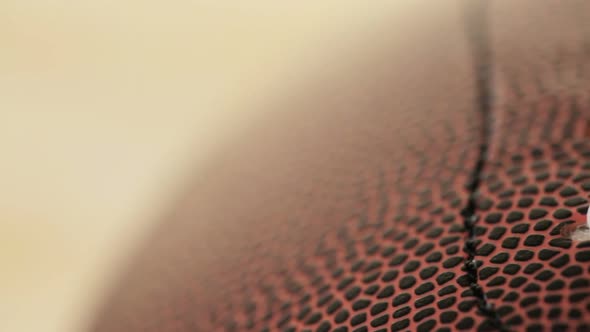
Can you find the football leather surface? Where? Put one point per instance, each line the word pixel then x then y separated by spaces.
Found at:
pixel 427 186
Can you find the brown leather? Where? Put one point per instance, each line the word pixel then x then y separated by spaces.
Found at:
pixel 350 207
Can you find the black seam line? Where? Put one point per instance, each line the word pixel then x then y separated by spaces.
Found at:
pixel 476 26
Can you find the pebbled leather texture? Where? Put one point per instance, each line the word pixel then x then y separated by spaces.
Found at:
pixel 422 187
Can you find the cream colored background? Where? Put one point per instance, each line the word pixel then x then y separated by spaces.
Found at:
pixel 107 106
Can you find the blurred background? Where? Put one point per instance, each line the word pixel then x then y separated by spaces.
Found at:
pixel 108 107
